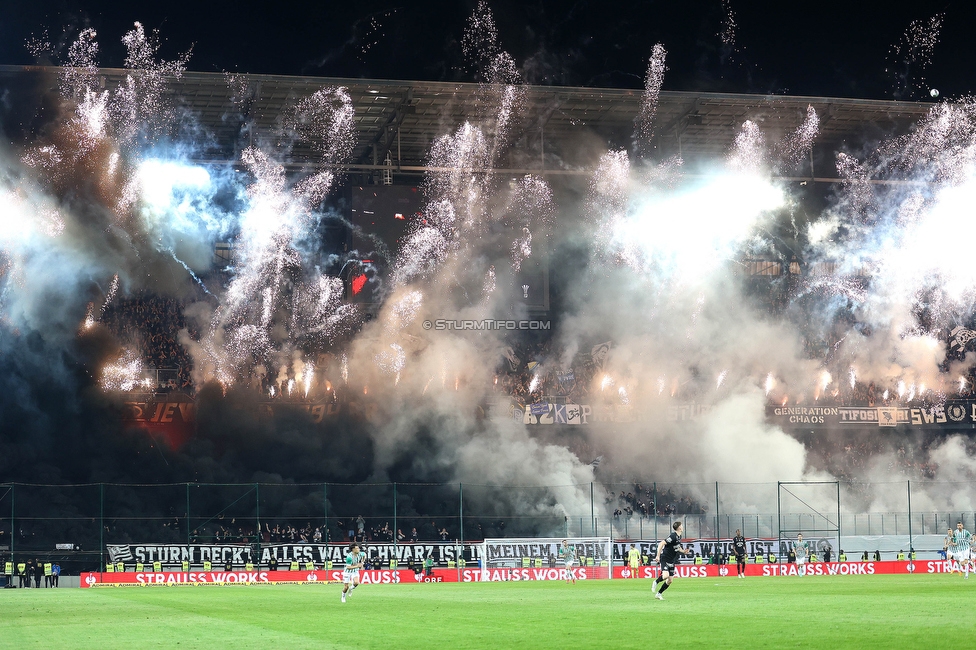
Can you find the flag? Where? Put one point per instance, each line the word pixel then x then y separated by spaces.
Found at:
pixel 961 337
pixel 596 462
pixel 599 353
pixel 566 381
pixel 887 417
pixel 539 408
pixel 513 361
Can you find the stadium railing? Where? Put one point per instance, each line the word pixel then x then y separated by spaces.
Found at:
pixel 74 524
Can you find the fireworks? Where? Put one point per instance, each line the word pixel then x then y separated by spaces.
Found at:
pixel 123 374
pixel 653 79
pixel 668 240
pixel 912 55
pixel 799 143
pixel 727 35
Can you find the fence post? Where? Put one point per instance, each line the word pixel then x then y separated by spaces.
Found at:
pixel 911 544
pixel 257 519
pixel 101 526
pixel 655 510
pixel 718 532
pixel 592 514
pixel 325 507
pixel 12 522
pixel 461 514
pixel 779 515
pixel 396 531
pixel 189 526
pixel 838 517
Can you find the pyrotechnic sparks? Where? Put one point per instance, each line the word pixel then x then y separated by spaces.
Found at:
pixel 622 392
pixel 892 281
pixel 912 55
pixel 727 35
pixel 653 79
pixel 799 143
pixel 110 295
pixel 748 154
pixel 124 374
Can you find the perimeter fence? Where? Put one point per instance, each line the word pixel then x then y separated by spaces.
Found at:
pixel 74 524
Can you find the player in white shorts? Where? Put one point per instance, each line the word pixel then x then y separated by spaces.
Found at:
pixel 802 551
pixel 350 574
pixel 567 554
pixel 960 547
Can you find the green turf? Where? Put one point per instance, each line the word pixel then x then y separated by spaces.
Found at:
pixel 835 612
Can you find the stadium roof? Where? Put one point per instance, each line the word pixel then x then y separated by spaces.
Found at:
pixel 561 130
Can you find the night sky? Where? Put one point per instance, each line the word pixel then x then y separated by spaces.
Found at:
pixel 846 49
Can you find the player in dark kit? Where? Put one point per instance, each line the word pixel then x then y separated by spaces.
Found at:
pixel 739 550
pixel 667 555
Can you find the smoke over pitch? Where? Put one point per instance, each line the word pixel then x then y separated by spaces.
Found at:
pixel 103 202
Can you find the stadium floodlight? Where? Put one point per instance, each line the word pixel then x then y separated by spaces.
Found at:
pixel 539 558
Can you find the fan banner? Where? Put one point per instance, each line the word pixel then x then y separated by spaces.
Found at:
pixel 172 555
pixel 789 569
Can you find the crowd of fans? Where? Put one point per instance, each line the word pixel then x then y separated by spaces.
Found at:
pixel 645 501
pixel 151 325
pixel 529 372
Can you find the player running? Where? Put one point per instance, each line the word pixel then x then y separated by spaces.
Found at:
pixel 802 550
pixel 567 554
pixel 739 550
pixel 667 555
pixel 960 545
pixel 634 560
pixel 350 574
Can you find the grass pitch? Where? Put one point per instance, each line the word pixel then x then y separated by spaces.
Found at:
pixel 841 612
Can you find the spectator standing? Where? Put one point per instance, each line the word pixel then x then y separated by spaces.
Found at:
pixel 38 570
pixel 360 526
pixel 55 574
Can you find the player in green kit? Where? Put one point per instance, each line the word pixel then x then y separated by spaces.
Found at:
pixel 802 551
pixel 350 574
pixel 960 545
pixel 567 554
